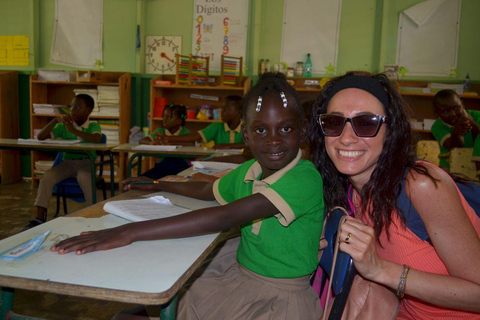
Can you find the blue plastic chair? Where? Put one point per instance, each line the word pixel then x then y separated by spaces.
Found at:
pixel 344 272
pixel 69 188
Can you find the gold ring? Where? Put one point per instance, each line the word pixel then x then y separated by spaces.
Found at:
pixel 348 238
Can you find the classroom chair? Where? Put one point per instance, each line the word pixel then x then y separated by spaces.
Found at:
pixel 460 160
pixel 428 150
pixel 344 270
pixel 69 188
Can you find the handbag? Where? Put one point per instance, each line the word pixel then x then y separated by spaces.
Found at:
pixel 367 299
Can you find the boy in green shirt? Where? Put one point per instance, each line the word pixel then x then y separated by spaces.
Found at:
pixel 71 126
pixel 456 128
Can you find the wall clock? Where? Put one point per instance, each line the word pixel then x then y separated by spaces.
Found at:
pixel 160 54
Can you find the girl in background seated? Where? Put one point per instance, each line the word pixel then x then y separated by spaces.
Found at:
pixel 174 116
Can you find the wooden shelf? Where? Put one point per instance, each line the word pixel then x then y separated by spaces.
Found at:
pixel 9 126
pixel 182 94
pixel 59 92
pixel 192 120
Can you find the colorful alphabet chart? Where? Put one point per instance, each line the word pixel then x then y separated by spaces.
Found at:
pixel 219 28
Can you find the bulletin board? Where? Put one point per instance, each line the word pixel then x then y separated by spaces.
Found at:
pixel 219 27
pixel 311 26
pixel 428 39
pixel 14 51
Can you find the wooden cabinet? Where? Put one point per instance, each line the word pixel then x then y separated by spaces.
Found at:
pixel 308 88
pixel 62 93
pixel 421 104
pixel 192 97
pixel 9 126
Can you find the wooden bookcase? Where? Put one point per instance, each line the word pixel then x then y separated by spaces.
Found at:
pixel 62 93
pixel 9 126
pixel 421 104
pixel 182 94
pixel 188 95
pixel 308 88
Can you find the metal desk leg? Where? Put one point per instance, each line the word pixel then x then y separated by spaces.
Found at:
pixel 6 306
pixel 168 310
pixel 112 178
pixel 94 178
pixel 6 302
pixel 130 164
pixel 139 166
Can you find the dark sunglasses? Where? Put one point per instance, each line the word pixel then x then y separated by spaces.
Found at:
pixel 364 126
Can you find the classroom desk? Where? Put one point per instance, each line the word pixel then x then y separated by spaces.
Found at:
pixel 182 152
pixel 156 269
pixel 14 144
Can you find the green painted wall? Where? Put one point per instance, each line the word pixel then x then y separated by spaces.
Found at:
pixel 367 38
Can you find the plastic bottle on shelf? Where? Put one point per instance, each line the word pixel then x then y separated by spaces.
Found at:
pixel 466 83
pixel 267 66
pixel 299 69
pixel 308 67
pixel 262 66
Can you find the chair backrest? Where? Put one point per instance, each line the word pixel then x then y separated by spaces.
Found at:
pixel 104 138
pixel 344 271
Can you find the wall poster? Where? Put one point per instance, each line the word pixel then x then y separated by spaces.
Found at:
pixel 219 27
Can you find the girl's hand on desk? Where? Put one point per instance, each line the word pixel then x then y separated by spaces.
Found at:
pixel 94 241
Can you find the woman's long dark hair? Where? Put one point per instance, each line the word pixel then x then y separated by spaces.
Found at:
pixel 384 185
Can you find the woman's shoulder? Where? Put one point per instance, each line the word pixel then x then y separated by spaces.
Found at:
pixel 432 182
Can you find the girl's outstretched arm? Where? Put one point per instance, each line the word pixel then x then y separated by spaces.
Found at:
pixel 198 190
pixel 189 224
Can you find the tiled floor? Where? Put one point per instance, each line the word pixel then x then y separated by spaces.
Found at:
pixel 16 210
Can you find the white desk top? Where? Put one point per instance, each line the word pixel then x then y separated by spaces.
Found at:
pixel 142 272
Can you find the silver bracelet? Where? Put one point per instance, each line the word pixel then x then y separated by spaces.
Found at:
pixel 403 282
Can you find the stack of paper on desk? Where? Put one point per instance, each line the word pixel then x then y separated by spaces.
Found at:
pixel 144 209
pixel 50 141
pixel 209 167
pixel 155 147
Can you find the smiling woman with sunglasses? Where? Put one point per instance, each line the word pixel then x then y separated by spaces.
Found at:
pixel 360 140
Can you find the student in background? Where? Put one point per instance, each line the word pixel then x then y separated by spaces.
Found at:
pixel 275 198
pixel 174 116
pixel 360 138
pixel 456 128
pixel 225 135
pixel 71 126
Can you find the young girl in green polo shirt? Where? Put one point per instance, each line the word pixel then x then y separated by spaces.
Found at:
pixel 277 201
pixel 174 116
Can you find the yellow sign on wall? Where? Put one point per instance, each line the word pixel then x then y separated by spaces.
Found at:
pixel 14 51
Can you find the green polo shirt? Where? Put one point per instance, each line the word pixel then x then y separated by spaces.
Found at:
pixel 60 132
pixel 284 245
pixel 220 133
